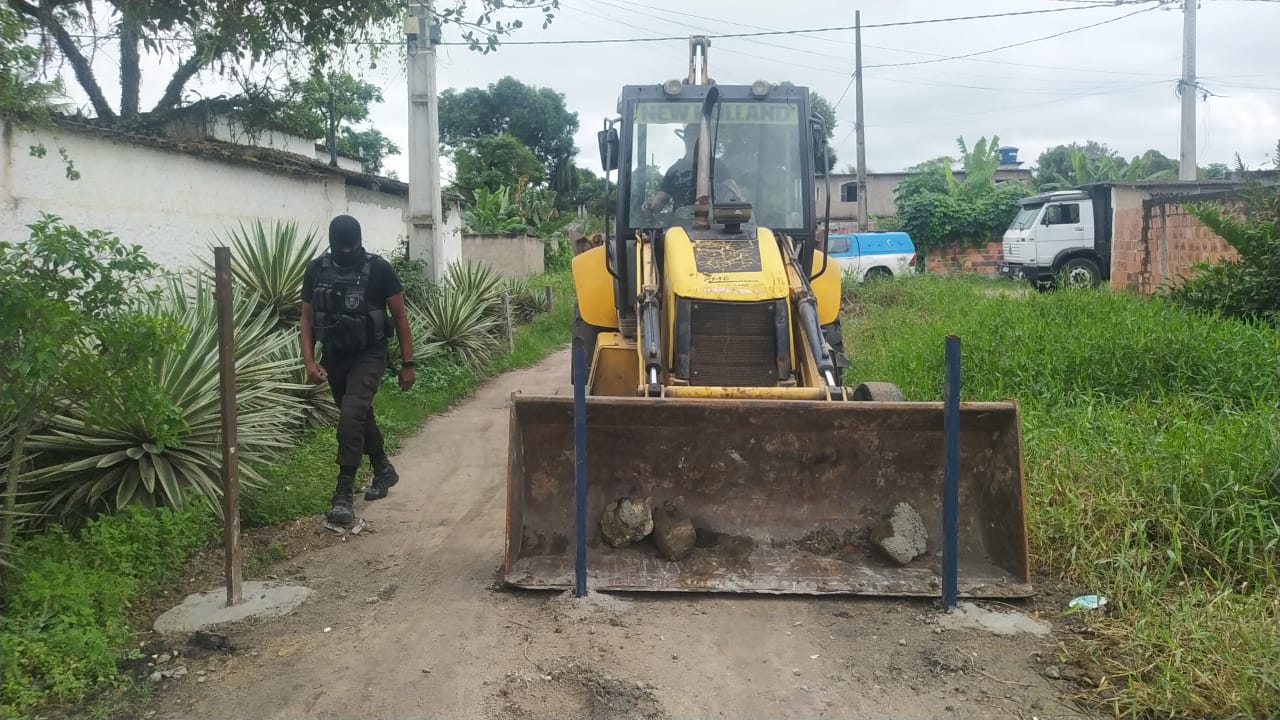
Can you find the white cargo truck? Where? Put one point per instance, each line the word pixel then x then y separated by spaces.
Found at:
pixel 1065 233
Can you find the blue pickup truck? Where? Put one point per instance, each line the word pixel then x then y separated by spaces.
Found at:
pixel 874 254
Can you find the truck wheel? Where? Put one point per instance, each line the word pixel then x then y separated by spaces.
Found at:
pixel 1081 272
pixel 877 273
pixel 588 334
pixel 833 333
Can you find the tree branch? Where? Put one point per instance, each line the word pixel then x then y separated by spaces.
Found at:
pixel 81 66
pixel 173 91
pixel 130 72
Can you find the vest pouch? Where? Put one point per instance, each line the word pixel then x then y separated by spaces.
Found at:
pixel 380 326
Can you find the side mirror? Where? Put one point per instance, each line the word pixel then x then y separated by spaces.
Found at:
pixel 608 140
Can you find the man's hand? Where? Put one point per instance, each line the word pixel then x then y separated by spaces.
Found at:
pixel 407 377
pixel 316 374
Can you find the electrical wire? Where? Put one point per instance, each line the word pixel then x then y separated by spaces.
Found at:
pixel 802 31
pixel 1017 44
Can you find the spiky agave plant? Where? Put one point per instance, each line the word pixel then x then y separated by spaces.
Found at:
pixel 271 261
pixel 108 466
pixel 318 408
pixel 477 281
pixel 456 323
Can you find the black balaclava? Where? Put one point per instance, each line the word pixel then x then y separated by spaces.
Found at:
pixel 345 242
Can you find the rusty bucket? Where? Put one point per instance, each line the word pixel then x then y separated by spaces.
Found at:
pixel 784 495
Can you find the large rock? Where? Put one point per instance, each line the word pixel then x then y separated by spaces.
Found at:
pixel 902 535
pixel 627 520
pixel 673 533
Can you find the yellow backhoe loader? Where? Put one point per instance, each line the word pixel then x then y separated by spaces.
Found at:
pixel 710 317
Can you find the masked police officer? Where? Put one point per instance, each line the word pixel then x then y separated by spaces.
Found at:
pixel 345 297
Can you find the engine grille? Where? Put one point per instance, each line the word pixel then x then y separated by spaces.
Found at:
pixel 732 344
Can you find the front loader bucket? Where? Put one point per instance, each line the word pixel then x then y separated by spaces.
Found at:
pixel 783 494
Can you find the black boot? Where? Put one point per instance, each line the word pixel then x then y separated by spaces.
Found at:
pixel 343 512
pixel 384 476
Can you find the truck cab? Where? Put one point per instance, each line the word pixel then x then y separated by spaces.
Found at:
pixel 1060 234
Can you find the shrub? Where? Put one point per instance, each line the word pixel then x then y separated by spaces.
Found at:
pixel 104 466
pixel 1248 287
pixel 63 623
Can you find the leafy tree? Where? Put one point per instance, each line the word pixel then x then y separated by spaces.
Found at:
pixel 1055 166
pixel 231 37
pixel 72 336
pixel 492 162
pixel 1214 171
pixel 21 94
pixel 370 145
pixel 328 105
pixel 936 208
pixel 535 117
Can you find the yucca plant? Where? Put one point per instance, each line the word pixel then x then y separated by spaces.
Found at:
pixel 110 465
pixel 477 281
pixel 271 261
pixel 456 323
pixel 318 408
pixel 527 302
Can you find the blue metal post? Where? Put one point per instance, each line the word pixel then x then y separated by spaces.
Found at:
pixel 951 475
pixel 580 467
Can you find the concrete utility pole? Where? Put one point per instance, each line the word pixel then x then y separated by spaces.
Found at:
pixel 1190 90
pixel 425 221
pixel 859 127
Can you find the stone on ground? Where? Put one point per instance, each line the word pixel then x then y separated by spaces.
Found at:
pixel 673 533
pixel 207 609
pixel 902 535
pixel 626 521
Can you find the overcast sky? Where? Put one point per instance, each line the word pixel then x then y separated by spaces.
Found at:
pixel 1114 83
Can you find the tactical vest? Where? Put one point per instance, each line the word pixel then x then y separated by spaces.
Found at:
pixel 344 320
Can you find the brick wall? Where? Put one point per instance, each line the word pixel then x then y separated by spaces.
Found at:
pixel 953 259
pixel 1160 242
pixel 1128 251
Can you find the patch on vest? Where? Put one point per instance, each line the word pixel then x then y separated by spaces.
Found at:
pixel 352 301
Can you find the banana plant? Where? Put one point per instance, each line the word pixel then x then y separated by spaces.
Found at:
pixel 494 213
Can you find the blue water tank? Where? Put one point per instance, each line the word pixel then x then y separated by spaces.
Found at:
pixel 1008 155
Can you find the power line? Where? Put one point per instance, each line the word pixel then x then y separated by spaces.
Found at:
pixel 803 31
pixel 1018 44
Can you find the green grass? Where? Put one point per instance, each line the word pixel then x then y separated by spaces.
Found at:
pixel 63 626
pixel 1151 453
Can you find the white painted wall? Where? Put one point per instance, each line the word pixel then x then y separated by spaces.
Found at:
pixel 172 204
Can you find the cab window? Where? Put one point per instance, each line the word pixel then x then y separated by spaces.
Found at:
pixel 1064 214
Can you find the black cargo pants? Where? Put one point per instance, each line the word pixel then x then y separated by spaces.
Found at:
pixel 354 380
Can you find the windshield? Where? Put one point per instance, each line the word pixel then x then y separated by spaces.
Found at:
pixel 1026 217
pixel 756 159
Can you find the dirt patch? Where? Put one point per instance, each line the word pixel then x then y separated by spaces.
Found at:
pixel 570 689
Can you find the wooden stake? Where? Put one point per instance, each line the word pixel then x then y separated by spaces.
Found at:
pixel 230 458
pixel 551 299
pixel 506 316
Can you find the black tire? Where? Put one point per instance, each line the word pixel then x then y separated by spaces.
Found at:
pixel 588 334
pixel 877 273
pixel 878 392
pixel 833 333
pixel 1080 272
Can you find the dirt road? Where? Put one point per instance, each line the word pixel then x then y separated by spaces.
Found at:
pixel 419 628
